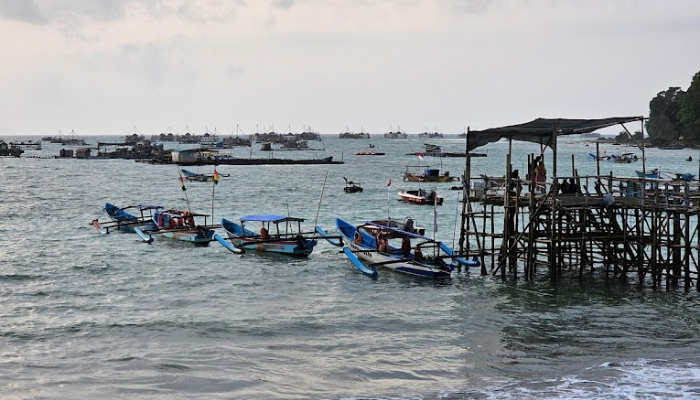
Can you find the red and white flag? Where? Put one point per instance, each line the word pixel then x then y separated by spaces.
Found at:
pixel 420 156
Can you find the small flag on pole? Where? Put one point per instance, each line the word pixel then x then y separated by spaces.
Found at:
pixel 182 182
pixel 420 156
pixel 216 177
pixel 389 184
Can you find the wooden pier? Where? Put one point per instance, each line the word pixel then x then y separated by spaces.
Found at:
pixel 626 228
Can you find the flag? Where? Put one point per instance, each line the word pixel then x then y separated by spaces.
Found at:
pixel 182 182
pixel 389 184
pixel 420 156
pixel 216 177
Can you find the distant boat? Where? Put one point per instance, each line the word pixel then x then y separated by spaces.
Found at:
pixel 418 173
pixel 193 176
pixel 351 187
pixel 369 153
pixel 421 196
pixel 655 174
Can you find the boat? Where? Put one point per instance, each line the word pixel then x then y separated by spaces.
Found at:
pixel 125 221
pixel 369 153
pixel 421 196
pixel 278 234
pixel 655 174
pixel 418 173
pixel 352 187
pixel 424 257
pixel 193 176
pixel 181 225
pixel 625 158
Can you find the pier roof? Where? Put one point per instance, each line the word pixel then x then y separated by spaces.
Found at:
pixel 540 130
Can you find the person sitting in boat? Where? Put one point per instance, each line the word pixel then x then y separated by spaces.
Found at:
pixel 418 254
pixel 690 158
pixel 406 246
pixel 358 237
pixel 382 244
pixel 264 234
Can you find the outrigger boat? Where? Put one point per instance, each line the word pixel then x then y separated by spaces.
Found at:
pixel 193 176
pixel 427 258
pixel 278 234
pixel 655 174
pixel 125 221
pixel 180 225
pixel 421 196
pixel 417 173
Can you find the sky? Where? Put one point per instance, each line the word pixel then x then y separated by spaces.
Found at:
pixel 105 67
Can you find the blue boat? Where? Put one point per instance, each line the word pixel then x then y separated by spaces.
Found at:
pixel 655 174
pixel 182 225
pixel 277 234
pixel 125 221
pixel 369 246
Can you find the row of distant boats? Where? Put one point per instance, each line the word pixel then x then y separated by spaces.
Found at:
pixel 399 247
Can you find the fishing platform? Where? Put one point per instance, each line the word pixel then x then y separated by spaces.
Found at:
pixel 633 229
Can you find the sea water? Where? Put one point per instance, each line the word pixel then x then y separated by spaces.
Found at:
pixel 85 315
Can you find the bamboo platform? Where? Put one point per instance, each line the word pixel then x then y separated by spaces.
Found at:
pixel 631 229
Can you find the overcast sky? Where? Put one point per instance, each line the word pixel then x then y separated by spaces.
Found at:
pixel 105 66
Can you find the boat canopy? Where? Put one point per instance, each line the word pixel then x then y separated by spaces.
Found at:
pixel 540 130
pixel 270 218
pixel 145 206
pixel 398 232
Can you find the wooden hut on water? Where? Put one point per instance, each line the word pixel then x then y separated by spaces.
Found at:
pixel 627 227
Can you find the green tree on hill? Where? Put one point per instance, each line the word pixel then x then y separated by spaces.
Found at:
pixel 689 111
pixel 663 124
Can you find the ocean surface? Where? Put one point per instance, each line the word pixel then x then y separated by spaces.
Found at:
pixel 85 315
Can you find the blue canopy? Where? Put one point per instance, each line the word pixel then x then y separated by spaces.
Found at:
pixel 269 218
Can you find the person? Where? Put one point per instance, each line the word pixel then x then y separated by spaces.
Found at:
pixel 564 187
pixel 406 246
pixel 514 184
pixel 358 237
pixel 418 254
pixel 532 168
pixel 690 158
pixel 382 243
pixel 574 187
pixel 264 234
pixel 541 176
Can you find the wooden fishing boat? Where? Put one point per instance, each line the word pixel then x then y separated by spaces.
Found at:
pixel 182 225
pixel 278 234
pixel 655 174
pixel 421 196
pixel 417 173
pixel 193 176
pixel 124 221
pixel 369 153
pixel 351 187
pixel 424 258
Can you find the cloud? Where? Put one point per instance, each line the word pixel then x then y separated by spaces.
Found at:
pixel 22 10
